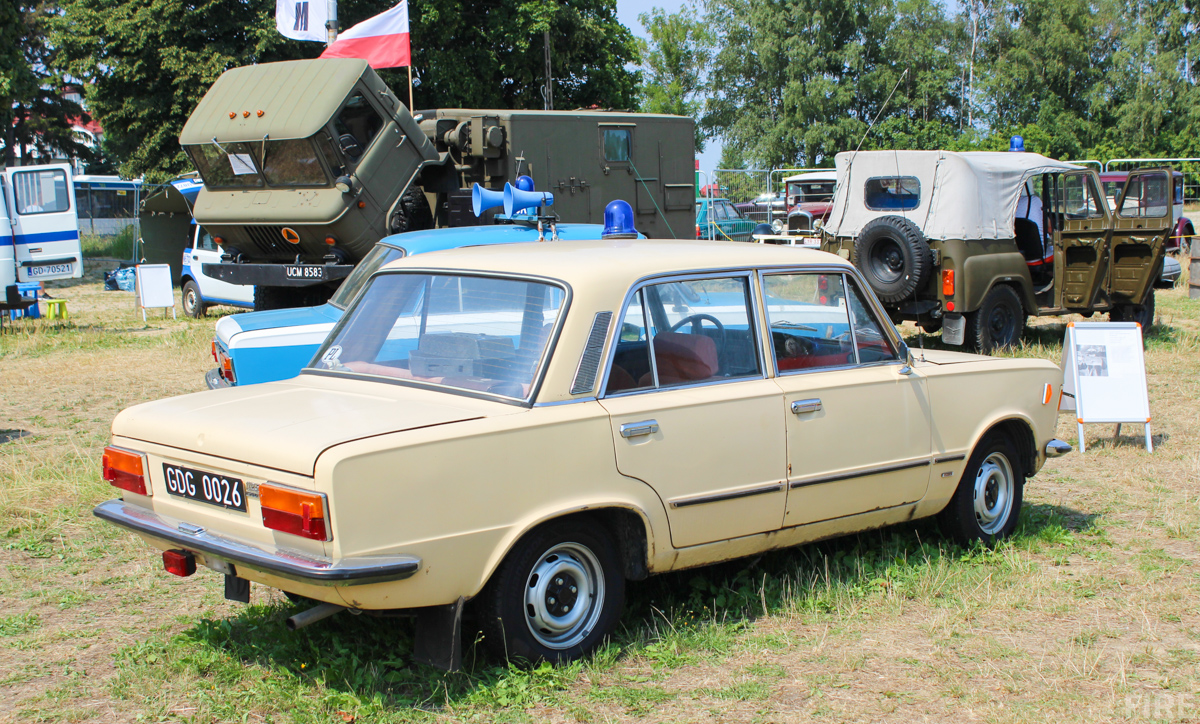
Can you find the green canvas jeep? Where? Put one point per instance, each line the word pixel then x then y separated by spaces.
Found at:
pixel 972 243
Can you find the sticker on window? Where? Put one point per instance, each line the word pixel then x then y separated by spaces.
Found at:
pixel 242 164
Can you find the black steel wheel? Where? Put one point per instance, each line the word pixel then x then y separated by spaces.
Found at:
pixel 999 322
pixel 894 257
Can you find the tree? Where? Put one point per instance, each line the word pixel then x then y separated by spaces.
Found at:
pixel 37 119
pixel 147 63
pixel 674 60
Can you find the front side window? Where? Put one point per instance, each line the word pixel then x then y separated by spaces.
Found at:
pixel 356 126
pixel 291 163
pixel 870 340
pixel 41 192
pixel 893 193
pixel 462 332
pixel 230 165
pixel 1146 196
pixel 205 241
pixel 1080 199
pixel 618 144
pixel 684 333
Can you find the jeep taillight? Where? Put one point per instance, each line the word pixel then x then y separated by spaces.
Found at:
pixel 948 282
pixel 293 511
pixel 124 469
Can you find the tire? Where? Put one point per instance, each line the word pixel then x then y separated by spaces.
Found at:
pixel 529 610
pixel 999 322
pixel 987 503
pixel 193 301
pixel 412 213
pixel 894 257
pixel 271 298
pixel 1143 313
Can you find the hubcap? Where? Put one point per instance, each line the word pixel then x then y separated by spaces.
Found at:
pixel 993 493
pixel 887 261
pixel 564 595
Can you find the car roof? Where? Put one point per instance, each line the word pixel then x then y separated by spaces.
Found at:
pixel 824 175
pixel 425 241
pixel 1122 175
pixel 619 262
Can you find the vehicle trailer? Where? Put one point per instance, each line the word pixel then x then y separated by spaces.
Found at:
pixel 307 164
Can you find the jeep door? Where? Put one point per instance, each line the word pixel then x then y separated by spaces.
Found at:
pixel 858 418
pixel 1081 221
pixel 1142 224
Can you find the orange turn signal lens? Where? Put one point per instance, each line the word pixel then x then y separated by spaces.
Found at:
pixel 1047 393
pixel 948 282
pixel 330 240
pixel 293 511
pixel 219 240
pixel 124 469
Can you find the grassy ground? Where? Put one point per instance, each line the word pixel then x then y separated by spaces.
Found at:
pixel 1088 614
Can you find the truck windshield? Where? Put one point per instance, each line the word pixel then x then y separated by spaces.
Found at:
pixel 229 166
pixel 292 163
pixel 377 257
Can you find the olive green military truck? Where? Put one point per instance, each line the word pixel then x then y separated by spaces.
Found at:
pixel 307 164
pixel 972 243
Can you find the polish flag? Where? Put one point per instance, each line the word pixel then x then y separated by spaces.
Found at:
pixel 382 41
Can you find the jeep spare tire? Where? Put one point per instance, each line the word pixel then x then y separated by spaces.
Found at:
pixel 891 252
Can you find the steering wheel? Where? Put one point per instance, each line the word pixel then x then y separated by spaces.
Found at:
pixel 695 320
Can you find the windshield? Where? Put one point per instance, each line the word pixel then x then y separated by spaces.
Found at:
pixel 230 165
pixel 810 191
pixel 471 333
pixel 292 163
pixel 377 257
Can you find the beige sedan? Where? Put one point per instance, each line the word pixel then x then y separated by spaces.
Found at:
pixel 531 426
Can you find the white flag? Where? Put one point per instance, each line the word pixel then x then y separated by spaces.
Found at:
pixel 302 19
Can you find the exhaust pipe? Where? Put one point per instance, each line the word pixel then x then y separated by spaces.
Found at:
pixel 312 615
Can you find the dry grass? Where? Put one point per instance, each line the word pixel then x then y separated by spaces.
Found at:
pixel 1089 614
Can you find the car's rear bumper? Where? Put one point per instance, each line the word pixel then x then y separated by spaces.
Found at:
pixel 214 380
pixel 273 560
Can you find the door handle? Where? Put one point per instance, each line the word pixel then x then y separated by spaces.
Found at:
pixel 637 429
pixel 799 407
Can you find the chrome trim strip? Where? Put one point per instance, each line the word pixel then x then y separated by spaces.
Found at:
pixel 700 500
pixel 559 403
pixel 276 561
pixel 859 474
pixel 949 459
pixel 1057 448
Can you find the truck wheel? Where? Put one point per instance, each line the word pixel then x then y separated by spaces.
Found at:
pixel 412 213
pixel 557 594
pixel 193 302
pixel 1143 314
pixel 999 321
pixel 987 502
pixel 271 298
pixel 893 255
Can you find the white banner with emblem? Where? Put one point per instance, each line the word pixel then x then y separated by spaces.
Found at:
pixel 302 19
pixel 1104 375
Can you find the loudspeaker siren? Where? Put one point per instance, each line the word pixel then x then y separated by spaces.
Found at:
pixel 483 199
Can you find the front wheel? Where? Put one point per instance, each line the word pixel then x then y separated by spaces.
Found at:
pixel 193 302
pixel 556 596
pixel 987 502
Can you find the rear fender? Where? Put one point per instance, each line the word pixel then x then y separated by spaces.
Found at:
pixel 983 265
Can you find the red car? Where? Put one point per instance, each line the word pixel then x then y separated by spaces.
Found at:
pixel 1181 240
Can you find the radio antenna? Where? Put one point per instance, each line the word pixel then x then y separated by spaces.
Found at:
pixel 881 110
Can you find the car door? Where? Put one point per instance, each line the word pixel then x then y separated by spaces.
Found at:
pixel 858 420
pixel 45 228
pixel 205 251
pixel 692 412
pixel 1142 224
pixel 1082 236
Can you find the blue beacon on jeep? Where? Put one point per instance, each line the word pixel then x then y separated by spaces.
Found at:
pixel 256 347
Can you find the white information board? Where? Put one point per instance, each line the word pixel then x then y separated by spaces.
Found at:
pixel 154 288
pixel 1104 375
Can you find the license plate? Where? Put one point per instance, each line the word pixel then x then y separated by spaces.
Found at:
pixel 304 271
pixel 42 271
pixel 211 488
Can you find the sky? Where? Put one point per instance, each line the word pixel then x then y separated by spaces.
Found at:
pixel 627 14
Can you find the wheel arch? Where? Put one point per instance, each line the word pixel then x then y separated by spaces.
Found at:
pixel 1019 431
pixel 983 272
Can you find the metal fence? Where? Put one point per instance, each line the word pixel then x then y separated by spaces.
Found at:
pixel 757 193
pixel 1189 167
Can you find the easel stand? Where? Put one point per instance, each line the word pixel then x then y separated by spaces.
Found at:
pixel 153 289
pixel 1104 376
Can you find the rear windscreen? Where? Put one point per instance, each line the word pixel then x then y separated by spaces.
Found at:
pixel 41 192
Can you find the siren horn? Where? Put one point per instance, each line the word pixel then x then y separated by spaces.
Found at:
pixel 517 200
pixel 483 199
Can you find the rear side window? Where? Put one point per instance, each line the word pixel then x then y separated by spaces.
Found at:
pixel 356 126
pixel 41 192
pixel 893 193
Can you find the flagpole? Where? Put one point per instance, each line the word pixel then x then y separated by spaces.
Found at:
pixel 410 102
pixel 331 24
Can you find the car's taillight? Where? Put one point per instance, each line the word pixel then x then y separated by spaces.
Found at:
pixel 214 352
pixel 293 511
pixel 124 469
pixel 227 368
pixel 948 282
pixel 697 231
pixel 180 563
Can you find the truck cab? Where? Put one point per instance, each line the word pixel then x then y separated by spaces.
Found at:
pixel 39 229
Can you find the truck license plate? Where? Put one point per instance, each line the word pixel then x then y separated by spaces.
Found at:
pixel 304 271
pixel 210 488
pixel 42 271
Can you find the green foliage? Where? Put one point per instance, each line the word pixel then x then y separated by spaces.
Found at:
pixel 148 62
pixel 675 59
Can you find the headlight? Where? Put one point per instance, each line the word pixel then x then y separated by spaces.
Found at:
pixel 777 226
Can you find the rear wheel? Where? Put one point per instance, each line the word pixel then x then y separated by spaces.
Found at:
pixel 193 302
pixel 999 321
pixel 412 213
pixel 1143 314
pixel 556 596
pixel 987 503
